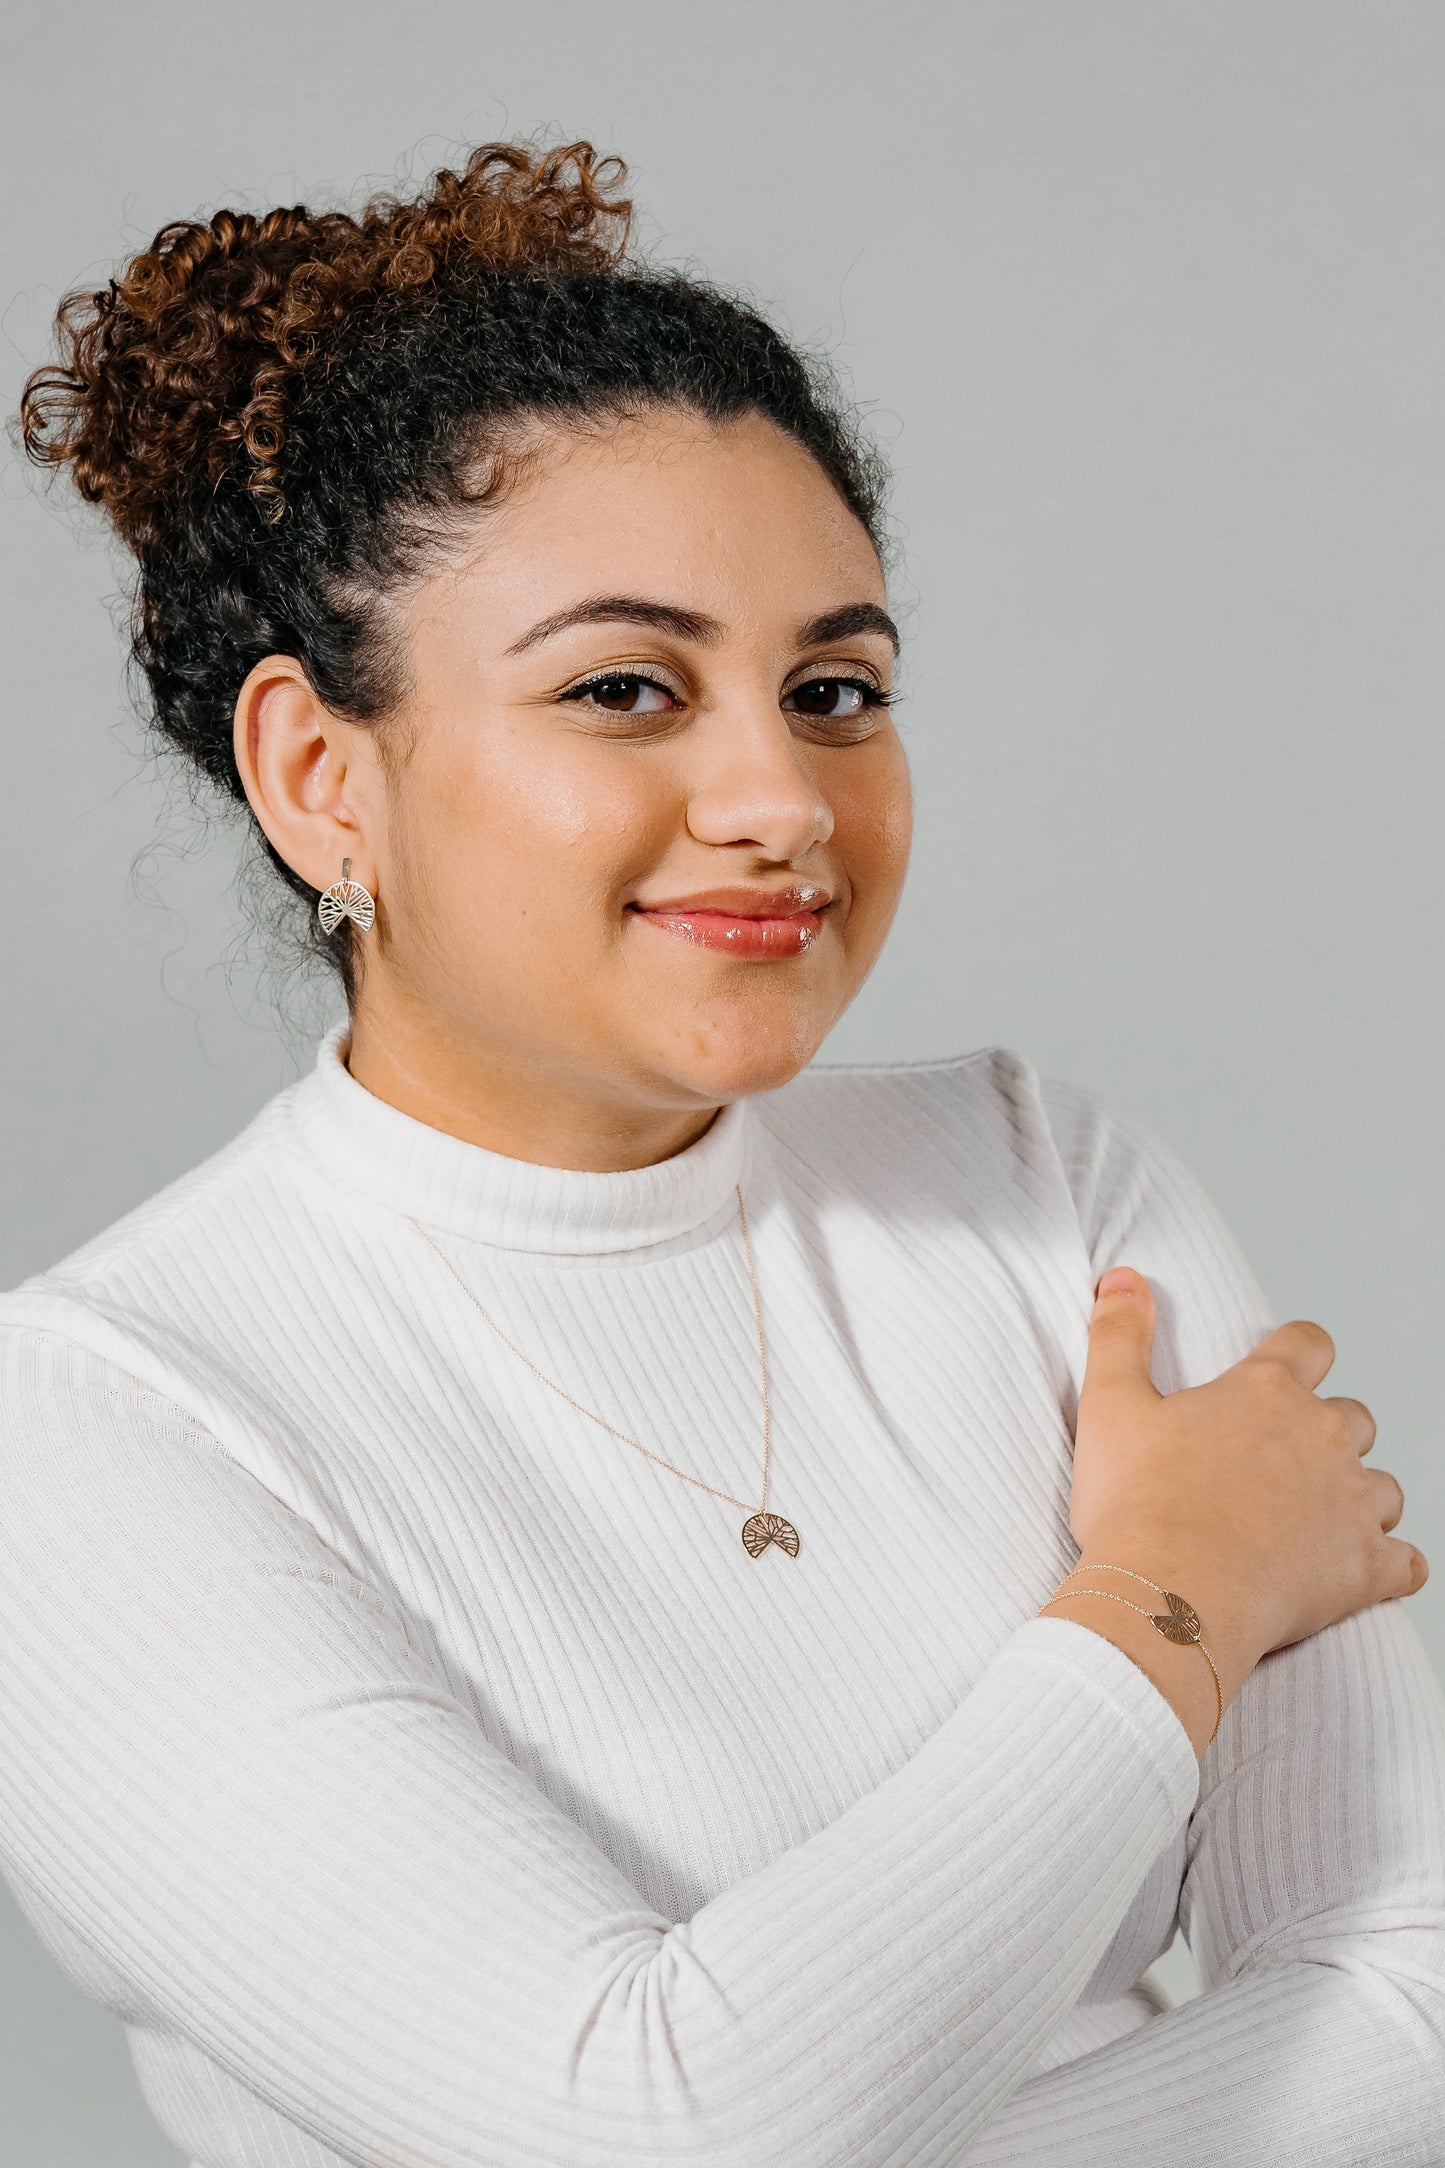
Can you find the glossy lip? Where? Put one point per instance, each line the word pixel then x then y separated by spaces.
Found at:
pixel 758 923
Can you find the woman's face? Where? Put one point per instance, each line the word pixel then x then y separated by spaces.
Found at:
pixel 639 828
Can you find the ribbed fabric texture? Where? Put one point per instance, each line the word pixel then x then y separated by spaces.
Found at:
pixel 429 1779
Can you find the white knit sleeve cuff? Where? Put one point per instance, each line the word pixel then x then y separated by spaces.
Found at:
pixel 1106 1671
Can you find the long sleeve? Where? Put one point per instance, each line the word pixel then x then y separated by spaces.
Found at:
pixel 1314 1892
pixel 241 1803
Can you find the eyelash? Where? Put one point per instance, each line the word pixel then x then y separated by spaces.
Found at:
pixel 873 695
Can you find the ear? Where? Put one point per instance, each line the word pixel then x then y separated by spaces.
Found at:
pixel 313 780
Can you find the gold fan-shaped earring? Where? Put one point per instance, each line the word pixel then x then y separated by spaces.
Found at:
pixel 346 899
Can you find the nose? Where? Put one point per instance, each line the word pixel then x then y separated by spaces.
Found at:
pixel 758 791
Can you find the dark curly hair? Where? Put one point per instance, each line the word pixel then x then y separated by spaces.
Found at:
pixel 287 417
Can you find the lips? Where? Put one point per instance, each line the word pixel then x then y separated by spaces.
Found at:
pixel 756 923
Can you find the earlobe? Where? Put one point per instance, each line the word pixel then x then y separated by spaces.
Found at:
pixel 297 768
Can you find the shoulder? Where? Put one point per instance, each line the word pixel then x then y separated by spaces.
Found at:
pixel 993 1106
pixel 171 1257
pixel 141 1362
pixel 1035 1164
pixel 992 1112
pixel 191 1196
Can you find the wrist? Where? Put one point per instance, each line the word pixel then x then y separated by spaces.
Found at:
pixel 1127 1573
pixel 1178 1672
pixel 1230 1622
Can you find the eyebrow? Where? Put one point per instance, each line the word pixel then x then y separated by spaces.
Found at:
pixel 841 624
pixel 695 625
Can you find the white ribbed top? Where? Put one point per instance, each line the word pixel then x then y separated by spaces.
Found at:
pixel 429 1779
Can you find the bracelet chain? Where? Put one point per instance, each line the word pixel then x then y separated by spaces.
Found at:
pixel 1181 1626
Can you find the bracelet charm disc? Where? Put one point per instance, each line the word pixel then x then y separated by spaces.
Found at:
pixel 1182 1622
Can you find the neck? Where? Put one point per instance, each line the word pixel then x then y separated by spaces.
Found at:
pixel 541 1117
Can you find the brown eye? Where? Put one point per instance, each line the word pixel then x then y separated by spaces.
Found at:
pixel 623 692
pixel 834 699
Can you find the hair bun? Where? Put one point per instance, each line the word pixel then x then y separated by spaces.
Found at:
pixel 191 356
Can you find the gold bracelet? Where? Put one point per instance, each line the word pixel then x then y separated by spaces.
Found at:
pixel 1179 1624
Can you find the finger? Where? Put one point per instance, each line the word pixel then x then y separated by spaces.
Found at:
pixel 1305 1349
pixel 1388 1495
pixel 1121 1334
pixel 1358 1420
pixel 1403 1571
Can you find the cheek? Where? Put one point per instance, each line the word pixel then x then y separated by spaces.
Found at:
pixel 872 804
pixel 523 826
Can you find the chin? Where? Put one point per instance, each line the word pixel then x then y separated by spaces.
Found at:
pixel 748 1055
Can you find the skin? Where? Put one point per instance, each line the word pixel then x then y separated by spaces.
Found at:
pixel 509 992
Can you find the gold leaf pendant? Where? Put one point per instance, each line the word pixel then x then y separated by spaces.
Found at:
pixel 766 1528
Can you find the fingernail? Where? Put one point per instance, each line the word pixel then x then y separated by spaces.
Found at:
pixel 1117 1276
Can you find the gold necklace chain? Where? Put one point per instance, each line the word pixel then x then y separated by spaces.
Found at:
pixel 761 1528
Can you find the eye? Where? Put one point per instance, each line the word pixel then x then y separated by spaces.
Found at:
pixel 835 699
pixel 624 692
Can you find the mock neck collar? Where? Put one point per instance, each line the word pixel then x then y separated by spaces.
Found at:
pixel 463 1189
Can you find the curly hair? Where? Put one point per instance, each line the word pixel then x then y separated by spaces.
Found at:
pixel 286 418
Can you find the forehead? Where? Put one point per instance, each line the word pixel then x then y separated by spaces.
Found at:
pixel 737 520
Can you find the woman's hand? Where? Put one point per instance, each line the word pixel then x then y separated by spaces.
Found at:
pixel 1248 1495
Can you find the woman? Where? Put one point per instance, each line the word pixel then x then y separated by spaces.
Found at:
pixel 530 1629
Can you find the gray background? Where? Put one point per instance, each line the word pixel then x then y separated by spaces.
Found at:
pixel 1146 302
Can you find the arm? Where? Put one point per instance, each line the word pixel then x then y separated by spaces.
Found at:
pixel 1314 1892
pixel 231 1782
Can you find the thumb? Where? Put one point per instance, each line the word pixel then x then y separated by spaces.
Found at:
pixel 1121 1334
